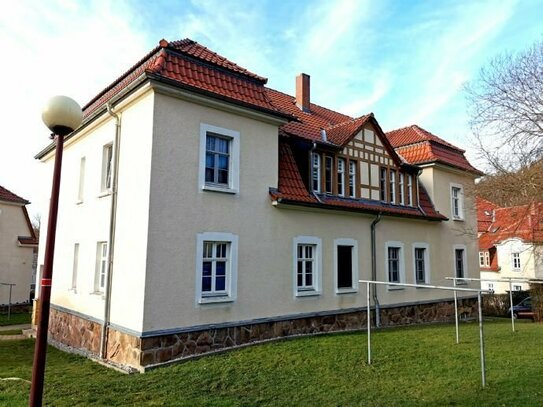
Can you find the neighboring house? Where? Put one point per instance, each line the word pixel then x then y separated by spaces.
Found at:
pixel 17 245
pixel 217 212
pixel 510 244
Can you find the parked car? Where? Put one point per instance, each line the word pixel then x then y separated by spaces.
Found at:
pixel 523 309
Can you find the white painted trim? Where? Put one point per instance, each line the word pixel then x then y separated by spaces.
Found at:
pixel 317 276
pixel 400 245
pixel 422 245
pixel 465 260
pixel 233 174
pixel 460 201
pixel 355 266
pixel 231 272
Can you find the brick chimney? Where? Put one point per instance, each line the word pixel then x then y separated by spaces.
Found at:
pixel 302 92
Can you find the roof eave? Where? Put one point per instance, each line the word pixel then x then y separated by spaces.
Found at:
pixel 315 205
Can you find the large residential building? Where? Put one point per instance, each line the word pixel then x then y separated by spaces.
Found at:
pixel 200 210
pixel 510 244
pixel 17 246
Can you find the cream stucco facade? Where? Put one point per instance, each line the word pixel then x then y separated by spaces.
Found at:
pixel 162 209
pixel 15 258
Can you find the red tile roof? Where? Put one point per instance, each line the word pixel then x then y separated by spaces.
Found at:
pixel 415 134
pixel 292 190
pixel 524 222
pixel 192 48
pixel 8 196
pixel 419 146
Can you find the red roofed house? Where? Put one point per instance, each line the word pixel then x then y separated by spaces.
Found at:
pixel 200 210
pixel 510 244
pixel 17 244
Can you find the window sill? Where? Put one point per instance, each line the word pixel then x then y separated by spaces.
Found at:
pixel 214 188
pixel 395 288
pixel 72 290
pixel 215 299
pixel 341 291
pixel 457 219
pixel 104 193
pixel 78 202
pixel 461 282
pixel 307 293
pixel 98 294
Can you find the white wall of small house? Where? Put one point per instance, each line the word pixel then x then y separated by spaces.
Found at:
pixel 15 261
pixel 505 252
pixel 179 211
pixel 87 222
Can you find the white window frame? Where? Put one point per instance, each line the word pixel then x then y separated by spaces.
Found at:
pixel 481 259
pixel 464 260
pixel 401 191
pixel 460 198
pixel 392 176
pixel 316 172
pixel 329 175
pixel 409 190
pixel 383 184
pixel 233 166
pixel 401 262
pixel 426 247
pixel 352 178
pixel 515 256
pixel 101 267
pixel 517 287
pixel 317 269
pixel 341 176
pixel 487 258
pixel 354 259
pixel 81 186
pixel 75 266
pixel 230 293
pixel 107 169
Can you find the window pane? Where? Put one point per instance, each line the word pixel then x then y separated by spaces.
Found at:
pixel 210 143
pixel 220 283
pixel 206 268
pixel 206 283
pixel 223 162
pixel 308 252
pixel 224 146
pixel 308 274
pixel 300 282
pixel 344 266
pixel 220 269
pixel 223 177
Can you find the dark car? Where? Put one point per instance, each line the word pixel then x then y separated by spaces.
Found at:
pixel 523 309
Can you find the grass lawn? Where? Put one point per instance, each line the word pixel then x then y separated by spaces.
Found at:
pixel 412 366
pixel 15 319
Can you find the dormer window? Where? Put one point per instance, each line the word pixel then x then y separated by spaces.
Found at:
pixel 328 164
pixel 393 186
pixel 341 177
pixel 352 178
pixel 410 190
pixel 316 172
pixel 401 188
pixel 383 184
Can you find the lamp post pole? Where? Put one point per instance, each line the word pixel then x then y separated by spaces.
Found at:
pixel 62 115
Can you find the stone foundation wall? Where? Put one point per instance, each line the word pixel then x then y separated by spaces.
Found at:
pixel 127 350
pixel 74 331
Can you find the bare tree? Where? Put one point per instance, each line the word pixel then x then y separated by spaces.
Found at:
pixel 36 224
pixel 505 105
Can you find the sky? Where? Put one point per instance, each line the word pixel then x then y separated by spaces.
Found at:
pixel 405 61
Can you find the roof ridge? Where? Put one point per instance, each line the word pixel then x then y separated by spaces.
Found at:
pixel 123 76
pixel 348 121
pixel 311 103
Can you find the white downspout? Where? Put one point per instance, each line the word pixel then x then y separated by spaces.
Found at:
pixel 112 224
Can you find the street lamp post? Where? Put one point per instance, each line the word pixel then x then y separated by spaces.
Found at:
pixel 61 115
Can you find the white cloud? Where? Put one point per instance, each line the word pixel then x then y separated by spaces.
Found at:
pixel 55 47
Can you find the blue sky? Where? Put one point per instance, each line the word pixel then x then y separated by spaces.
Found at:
pixel 405 61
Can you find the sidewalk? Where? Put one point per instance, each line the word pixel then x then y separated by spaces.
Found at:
pixel 13 328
